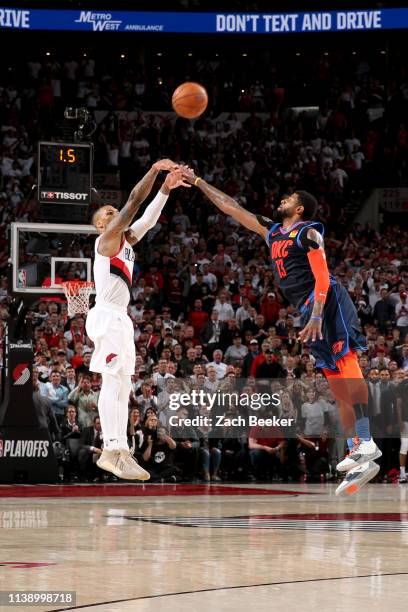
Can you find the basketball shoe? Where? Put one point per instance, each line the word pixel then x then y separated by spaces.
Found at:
pixel 362 451
pixel 122 464
pixel 357 478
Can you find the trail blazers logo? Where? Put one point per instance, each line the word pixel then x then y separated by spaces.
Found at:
pixel 111 359
pixel 21 374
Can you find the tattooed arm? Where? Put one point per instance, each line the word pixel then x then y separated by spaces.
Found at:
pixel 255 223
pixel 113 235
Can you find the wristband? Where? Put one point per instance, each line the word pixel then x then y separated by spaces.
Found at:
pixel 315 318
pixel 196 181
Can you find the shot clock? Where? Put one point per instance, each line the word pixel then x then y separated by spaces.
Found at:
pixel 65 173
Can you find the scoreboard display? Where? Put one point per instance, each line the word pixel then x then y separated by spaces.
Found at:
pixel 65 173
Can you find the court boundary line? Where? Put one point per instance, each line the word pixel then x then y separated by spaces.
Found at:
pixel 227 588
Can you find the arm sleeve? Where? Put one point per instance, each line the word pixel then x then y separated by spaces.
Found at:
pixel 150 216
pixel 317 260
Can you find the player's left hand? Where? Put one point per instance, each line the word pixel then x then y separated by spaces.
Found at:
pixel 175 179
pixel 313 331
pixel 188 174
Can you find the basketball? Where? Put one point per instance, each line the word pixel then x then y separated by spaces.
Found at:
pixel 190 100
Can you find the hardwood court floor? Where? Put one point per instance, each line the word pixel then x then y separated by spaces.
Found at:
pixel 199 548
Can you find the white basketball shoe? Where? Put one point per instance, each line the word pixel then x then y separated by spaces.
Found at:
pixel 362 451
pixel 357 478
pixel 122 464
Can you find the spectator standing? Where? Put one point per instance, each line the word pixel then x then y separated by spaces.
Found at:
pixel 57 394
pixel 219 366
pixel 384 312
pixel 86 401
pixel 314 412
pixel 197 317
pixel 224 307
pixel 236 352
pixel 147 399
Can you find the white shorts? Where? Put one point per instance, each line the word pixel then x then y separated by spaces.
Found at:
pixel 404 438
pixel 112 333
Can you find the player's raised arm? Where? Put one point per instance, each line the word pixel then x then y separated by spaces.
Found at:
pixel 255 223
pixel 152 213
pixel 112 235
pixel 313 243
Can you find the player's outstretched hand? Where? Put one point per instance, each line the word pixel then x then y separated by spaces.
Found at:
pixel 312 331
pixel 188 174
pixel 175 179
pixel 165 164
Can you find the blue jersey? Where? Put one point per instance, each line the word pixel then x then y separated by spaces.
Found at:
pixel 294 277
pixel 290 263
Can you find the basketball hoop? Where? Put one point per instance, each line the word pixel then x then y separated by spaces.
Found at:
pixel 77 294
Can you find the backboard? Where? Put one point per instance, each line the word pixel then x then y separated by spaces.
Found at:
pixel 43 255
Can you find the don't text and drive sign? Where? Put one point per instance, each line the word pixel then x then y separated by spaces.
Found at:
pixel 203 23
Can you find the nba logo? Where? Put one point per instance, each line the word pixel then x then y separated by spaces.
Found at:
pixel 1 447
pixel 22 278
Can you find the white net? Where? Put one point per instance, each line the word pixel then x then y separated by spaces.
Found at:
pixel 77 294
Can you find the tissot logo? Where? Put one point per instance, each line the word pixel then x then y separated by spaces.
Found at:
pixel 63 195
pixel 21 374
pixel 24 448
pixel 99 21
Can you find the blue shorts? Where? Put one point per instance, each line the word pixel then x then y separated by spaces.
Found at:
pixel 340 328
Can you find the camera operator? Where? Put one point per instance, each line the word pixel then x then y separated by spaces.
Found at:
pixel 158 451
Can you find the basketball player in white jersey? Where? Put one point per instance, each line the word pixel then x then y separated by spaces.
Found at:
pixel 108 324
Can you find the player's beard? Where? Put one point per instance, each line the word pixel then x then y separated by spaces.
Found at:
pixel 280 215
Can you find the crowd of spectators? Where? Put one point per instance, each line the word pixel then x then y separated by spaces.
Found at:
pixel 205 309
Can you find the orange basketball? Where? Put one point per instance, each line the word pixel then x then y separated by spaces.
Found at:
pixel 190 100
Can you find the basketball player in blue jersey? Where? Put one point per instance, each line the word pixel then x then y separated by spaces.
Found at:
pixel 329 319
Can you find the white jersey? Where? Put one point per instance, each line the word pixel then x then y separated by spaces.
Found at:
pixel 113 275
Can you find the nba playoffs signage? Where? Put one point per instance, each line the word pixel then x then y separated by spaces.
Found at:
pixel 24 448
pixel 204 23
